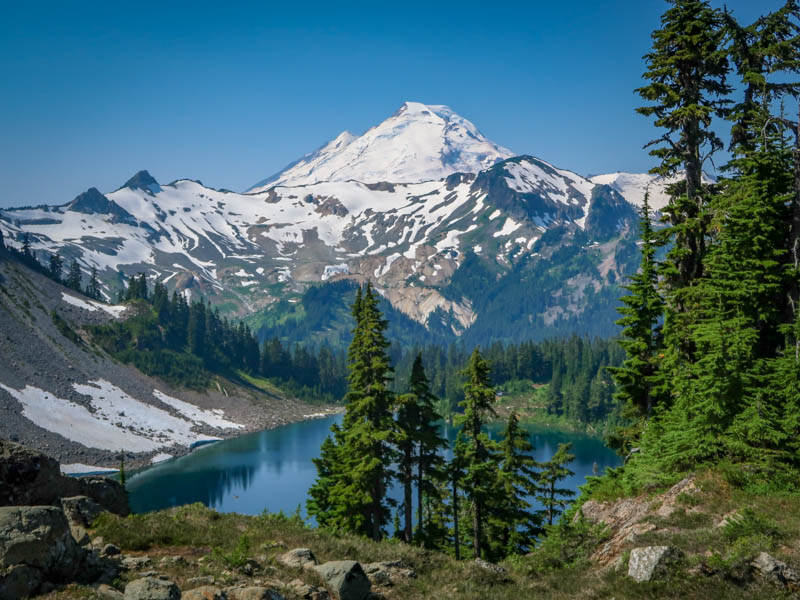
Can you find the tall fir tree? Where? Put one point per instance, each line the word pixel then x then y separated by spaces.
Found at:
pixel 430 446
pixel 56 266
pixel 74 277
pixel 553 498
pixel 480 482
pixel 515 524
pixel 641 384
pixel 93 287
pixel 359 498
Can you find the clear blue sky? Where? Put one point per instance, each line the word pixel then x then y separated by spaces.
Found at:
pixel 229 92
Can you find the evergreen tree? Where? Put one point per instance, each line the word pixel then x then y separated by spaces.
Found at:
pixel 640 382
pixel 26 245
pixel 516 525
pixel 359 501
pixel 481 477
pixel 405 438
pixel 430 445
pixel 686 68
pixel 328 465
pixel 93 288
pixel 74 277
pixel 553 498
pixel 55 268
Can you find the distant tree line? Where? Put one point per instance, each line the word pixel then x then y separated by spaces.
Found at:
pixel 54 268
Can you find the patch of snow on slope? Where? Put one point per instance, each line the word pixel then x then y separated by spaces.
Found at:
pixel 117 422
pixel 333 270
pixel 196 414
pixel 80 468
pixel 113 310
pixel 509 227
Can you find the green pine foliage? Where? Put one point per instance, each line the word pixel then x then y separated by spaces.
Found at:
pixel 515 524
pixel 730 282
pixel 554 499
pixel 640 381
pixel 481 455
pixel 359 495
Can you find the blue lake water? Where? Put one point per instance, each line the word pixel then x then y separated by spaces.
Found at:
pixel 272 470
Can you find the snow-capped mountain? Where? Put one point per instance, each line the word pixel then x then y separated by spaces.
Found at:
pixel 418 143
pixel 421 205
pixel 633 186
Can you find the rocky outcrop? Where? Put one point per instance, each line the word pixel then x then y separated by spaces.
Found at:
pixel 652 562
pixel 345 579
pixel 30 478
pixel 80 511
pixel 252 593
pixel 388 572
pixel 625 518
pixel 206 592
pixel 775 570
pixel 298 558
pixel 152 588
pixel 36 545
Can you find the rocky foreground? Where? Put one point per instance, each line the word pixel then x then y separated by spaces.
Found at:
pixel 67 538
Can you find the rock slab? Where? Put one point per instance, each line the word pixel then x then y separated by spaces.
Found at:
pixel 775 570
pixel 152 588
pixel 651 562
pixel 39 537
pixel 300 558
pixel 345 579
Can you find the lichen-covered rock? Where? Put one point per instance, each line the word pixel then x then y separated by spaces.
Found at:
pixel 80 511
pixel 39 537
pixel 345 579
pixel 652 562
pixel 300 558
pixel 388 572
pixel 206 592
pixel 134 563
pixel 775 570
pixel 252 593
pixel 152 588
pixel 106 592
pixel 626 518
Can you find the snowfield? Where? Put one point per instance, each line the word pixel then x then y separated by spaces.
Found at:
pixel 118 421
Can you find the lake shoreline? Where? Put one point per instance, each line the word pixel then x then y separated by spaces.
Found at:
pixel 103 467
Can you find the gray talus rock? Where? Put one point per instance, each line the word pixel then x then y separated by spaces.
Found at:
pixel 39 537
pixel 206 592
pixel 252 593
pixel 345 579
pixel 80 511
pixel 775 570
pixel 152 588
pixel 30 478
pixel 300 558
pixel 388 572
pixel 106 592
pixel 652 562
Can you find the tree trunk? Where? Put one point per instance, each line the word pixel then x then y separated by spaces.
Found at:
pixel 794 239
pixel 456 536
pixel 476 530
pixel 420 525
pixel 408 483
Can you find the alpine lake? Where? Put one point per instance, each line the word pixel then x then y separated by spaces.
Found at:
pixel 272 470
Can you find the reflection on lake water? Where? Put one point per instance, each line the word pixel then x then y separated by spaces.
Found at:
pixel 272 469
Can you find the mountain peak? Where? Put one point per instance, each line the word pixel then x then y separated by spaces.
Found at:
pixel 419 142
pixel 143 181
